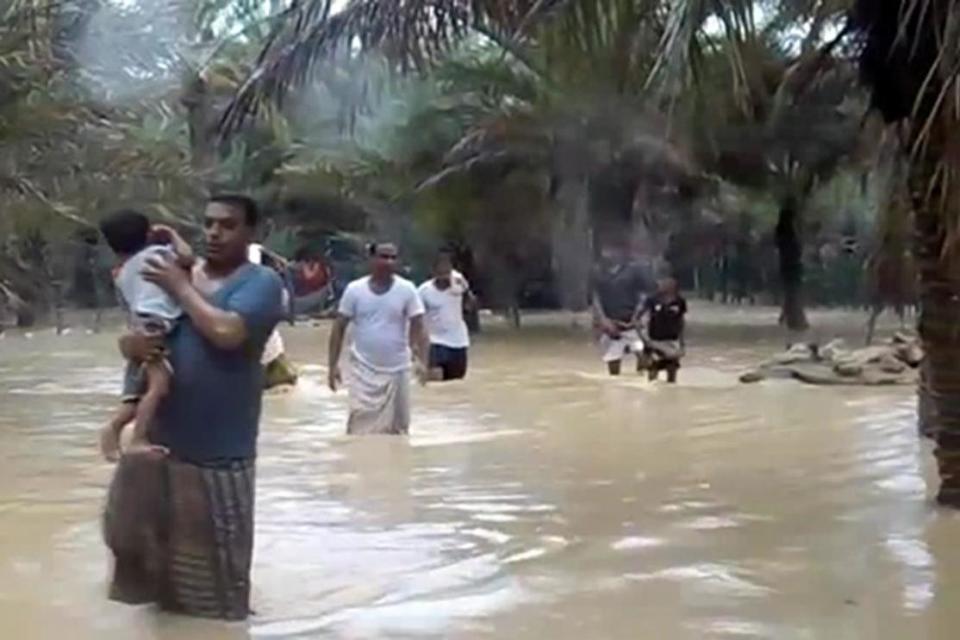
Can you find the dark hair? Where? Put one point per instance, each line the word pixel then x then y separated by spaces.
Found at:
pixel 373 247
pixel 126 231
pixel 443 254
pixel 245 204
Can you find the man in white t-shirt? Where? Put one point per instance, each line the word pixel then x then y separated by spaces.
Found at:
pixel 386 315
pixel 443 297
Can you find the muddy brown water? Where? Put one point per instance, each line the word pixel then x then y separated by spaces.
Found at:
pixel 540 499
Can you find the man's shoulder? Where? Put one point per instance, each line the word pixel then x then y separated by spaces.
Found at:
pixel 263 276
pixel 355 285
pixel 404 285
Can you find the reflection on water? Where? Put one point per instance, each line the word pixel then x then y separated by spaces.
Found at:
pixel 540 499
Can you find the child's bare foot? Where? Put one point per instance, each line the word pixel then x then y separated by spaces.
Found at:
pixel 110 442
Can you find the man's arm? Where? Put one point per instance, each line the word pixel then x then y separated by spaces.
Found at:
pixel 639 312
pixel 644 309
pixel 226 330
pixel 334 349
pixel 600 318
pixel 418 336
pixel 683 325
pixel 469 299
pixel 345 313
pixel 420 344
pixel 420 339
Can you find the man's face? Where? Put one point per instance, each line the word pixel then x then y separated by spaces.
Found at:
pixel 612 256
pixel 667 286
pixel 442 271
pixel 226 234
pixel 383 263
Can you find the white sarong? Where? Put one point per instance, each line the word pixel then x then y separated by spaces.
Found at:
pixel 614 349
pixel 379 401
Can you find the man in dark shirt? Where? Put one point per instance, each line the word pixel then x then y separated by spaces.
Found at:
pixel 618 289
pixel 665 314
pixel 199 528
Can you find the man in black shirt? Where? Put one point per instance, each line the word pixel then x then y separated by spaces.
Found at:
pixel 618 289
pixel 664 345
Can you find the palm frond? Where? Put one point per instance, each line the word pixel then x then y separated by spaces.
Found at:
pixel 410 33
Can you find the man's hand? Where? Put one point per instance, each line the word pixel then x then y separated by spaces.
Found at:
pixel 334 379
pixel 610 328
pixel 138 447
pixel 422 372
pixel 167 275
pixel 141 348
pixel 166 234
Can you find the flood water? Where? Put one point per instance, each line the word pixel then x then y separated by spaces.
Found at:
pixel 540 499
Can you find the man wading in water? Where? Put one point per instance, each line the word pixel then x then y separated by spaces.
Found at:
pixel 444 297
pixel 181 527
pixel 618 290
pixel 664 342
pixel 387 317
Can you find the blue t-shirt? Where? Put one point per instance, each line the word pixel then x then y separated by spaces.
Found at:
pixel 212 412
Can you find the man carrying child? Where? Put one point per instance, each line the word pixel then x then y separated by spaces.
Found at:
pixel 150 311
pixel 181 525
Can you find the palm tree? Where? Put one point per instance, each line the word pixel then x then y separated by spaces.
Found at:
pixel 603 62
pixel 580 108
pixel 910 61
pixel 91 92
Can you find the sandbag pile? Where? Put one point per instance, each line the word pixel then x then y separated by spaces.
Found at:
pixel 893 363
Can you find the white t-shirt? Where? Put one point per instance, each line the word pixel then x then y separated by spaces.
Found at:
pixel 142 298
pixel 381 322
pixel 445 312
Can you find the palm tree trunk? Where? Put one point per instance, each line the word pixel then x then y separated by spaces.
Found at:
pixel 939 323
pixel 790 250
pixel 926 412
pixel 201 122
pixel 572 243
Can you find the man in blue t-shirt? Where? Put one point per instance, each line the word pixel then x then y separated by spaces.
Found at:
pixel 189 546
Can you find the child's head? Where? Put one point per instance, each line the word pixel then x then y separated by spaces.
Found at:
pixel 126 231
pixel 667 286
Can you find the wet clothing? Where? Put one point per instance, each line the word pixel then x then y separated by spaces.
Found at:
pixel 151 309
pixel 213 409
pixel 665 326
pixel 620 290
pixel 181 528
pixel 381 323
pixel 182 535
pixel 666 317
pixel 453 362
pixel 615 349
pixel 444 312
pixel 379 400
pixel 449 337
